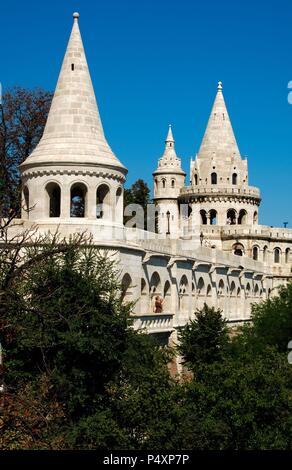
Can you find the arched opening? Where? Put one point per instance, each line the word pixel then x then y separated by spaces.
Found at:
pixel 255 217
pixel 54 195
pixel 203 215
pixel 265 252
pixel 119 204
pixel 155 289
pixel 213 178
pixel 78 200
pixel 201 287
pixel 232 289
pixel 173 183
pixel 209 290
pixel 238 292
pixel 247 290
pixel 167 297
pixel 196 180
pixel 221 288
pixel 242 219
pixel 287 255
pixel 213 217
pixel 163 183
pixel 231 217
pixel 183 294
pixel 256 291
pixel 238 249
pixel 234 178
pixel 277 255
pixel 255 253
pixel 26 200
pixel 127 293
pixel 103 202
pixel 144 297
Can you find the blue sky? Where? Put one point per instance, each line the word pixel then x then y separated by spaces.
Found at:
pixel 157 62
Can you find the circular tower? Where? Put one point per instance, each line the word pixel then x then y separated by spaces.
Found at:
pixel 168 180
pixel 73 173
pixel 219 193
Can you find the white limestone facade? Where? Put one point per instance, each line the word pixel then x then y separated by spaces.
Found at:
pixel 208 246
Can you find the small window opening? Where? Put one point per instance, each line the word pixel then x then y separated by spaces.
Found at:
pixel 72 67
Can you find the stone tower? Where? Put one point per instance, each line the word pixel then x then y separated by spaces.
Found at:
pixel 73 173
pixel 168 180
pixel 219 192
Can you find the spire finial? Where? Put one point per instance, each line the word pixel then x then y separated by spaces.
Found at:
pixel 76 16
pixel 219 86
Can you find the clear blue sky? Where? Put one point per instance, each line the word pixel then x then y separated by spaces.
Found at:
pixel 155 62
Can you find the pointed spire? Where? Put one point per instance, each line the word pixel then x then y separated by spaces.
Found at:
pixel 169 160
pixel 219 141
pixel 74 131
pixel 169 138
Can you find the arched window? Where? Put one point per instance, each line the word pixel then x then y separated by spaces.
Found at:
pixel 221 288
pixel 78 200
pixel 209 290
pixel 255 253
pixel 232 289
pixel 173 183
pixel 201 287
pixel 167 297
pixel 54 195
pixel 196 180
pixel 247 290
pixel 277 255
pixel 26 200
pixel 103 202
pixel 242 219
pixel 127 293
pixel 213 178
pixel 234 178
pixel 255 217
pixel 183 294
pixel 119 204
pixel 213 217
pixel 287 255
pixel 238 249
pixel 231 217
pixel 203 217
pixel 163 183
pixel 155 284
pixel 256 291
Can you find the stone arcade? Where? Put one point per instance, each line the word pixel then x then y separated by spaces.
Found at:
pixel 208 247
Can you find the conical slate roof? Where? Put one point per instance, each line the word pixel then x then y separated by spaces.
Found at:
pixel 219 140
pixel 169 162
pixel 74 132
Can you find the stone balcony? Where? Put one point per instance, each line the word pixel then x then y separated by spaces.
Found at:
pixel 154 323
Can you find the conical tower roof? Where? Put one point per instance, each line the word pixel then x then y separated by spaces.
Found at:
pixel 169 162
pixel 73 133
pixel 219 140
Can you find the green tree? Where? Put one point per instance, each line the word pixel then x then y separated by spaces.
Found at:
pixel 138 193
pixel 272 320
pixel 23 114
pixel 204 339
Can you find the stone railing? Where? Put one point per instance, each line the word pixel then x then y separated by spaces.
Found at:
pixel 151 323
pixel 216 189
pixel 254 230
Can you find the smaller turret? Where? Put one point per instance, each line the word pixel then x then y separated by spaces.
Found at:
pixel 169 178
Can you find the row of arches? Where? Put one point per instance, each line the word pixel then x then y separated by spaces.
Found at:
pixel 165 183
pixel 232 217
pixel 78 200
pixel 214 178
pixel 186 292
pixel 277 254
